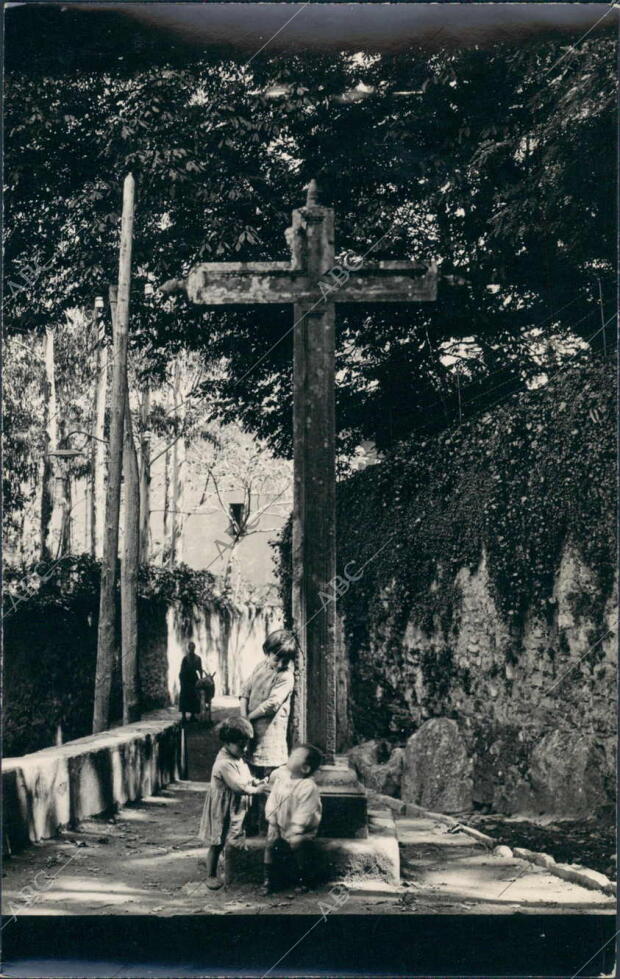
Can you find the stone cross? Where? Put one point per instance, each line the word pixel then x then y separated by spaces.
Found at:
pixel 313 282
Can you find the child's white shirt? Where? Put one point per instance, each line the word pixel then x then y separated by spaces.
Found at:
pixel 294 804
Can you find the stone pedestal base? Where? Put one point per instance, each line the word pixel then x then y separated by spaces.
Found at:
pixel 345 808
pixel 376 857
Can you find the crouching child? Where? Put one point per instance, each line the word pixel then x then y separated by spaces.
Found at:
pixel 293 813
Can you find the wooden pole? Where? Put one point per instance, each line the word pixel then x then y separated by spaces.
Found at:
pixel 129 573
pixel 98 448
pixel 107 605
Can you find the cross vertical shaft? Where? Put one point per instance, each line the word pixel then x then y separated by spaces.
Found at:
pixel 314 513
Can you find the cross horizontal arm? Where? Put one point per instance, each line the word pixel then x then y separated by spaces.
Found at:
pixel 227 283
pixel 246 283
pixel 385 282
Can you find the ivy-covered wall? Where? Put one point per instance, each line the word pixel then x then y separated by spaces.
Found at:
pixel 487 560
pixel 50 644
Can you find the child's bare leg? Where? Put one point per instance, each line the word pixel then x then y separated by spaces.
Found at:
pixel 268 864
pixel 299 845
pixel 213 855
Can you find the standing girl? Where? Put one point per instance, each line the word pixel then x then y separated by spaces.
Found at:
pixel 226 803
pixel 266 702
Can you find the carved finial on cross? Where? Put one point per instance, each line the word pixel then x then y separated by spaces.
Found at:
pixel 312 195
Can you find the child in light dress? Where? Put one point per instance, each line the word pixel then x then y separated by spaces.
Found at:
pixel 266 702
pixel 226 803
pixel 293 813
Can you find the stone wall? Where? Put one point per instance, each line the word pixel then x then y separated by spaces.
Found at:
pixel 230 643
pixel 519 726
pixel 481 622
pixel 50 652
pixel 57 787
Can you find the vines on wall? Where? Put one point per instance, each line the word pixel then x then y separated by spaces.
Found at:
pixel 50 644
pixel 519 484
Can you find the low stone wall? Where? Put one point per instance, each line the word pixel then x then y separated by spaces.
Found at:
pixel 60 786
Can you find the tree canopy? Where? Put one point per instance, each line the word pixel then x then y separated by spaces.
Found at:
pixel 500 163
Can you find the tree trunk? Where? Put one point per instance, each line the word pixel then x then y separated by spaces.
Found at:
pixel 145 479
pixel 180 499
pixel 107 607
pixel 60 528
pixel 66 519
pixel 48 481
pixel 88 516
pixel 174 479
pixel 174 463
pixel 129 573
pixel 98 450
pixel 47 504
pixel 178 460
pixel 166 518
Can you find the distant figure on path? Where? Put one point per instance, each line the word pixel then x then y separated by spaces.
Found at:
pixel 191 671
pixel 266 702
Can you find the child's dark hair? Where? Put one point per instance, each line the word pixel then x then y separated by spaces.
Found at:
pixel 235 730
pixel 282 643
pixel 314 758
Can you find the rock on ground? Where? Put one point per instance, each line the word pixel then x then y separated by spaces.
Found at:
pixel 437 770
pixel 567 774
pixel 378 766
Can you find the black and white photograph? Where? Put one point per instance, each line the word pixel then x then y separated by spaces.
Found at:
pixel 310 573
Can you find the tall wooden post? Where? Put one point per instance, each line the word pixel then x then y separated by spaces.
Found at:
pixel 314 512
pixel 129 573
pixel 98 447
pixel 107 605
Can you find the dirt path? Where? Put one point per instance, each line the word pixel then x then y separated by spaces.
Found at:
pixel 202 740
pixel 145 861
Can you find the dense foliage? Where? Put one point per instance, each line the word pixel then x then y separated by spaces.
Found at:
pixel 50 645
pixel 519 484
pixel 499 162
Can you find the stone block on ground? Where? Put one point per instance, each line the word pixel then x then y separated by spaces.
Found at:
pixel 591 879
pixel 437 770
pixel 396 805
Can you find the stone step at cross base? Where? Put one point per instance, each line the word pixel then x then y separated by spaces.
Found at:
pixel 344 801
pixel 376 856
